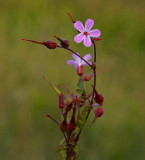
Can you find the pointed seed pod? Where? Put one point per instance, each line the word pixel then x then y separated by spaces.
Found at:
pixel 64 126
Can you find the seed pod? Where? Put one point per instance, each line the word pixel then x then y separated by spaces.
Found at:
pixel 64 126
pixel 50 44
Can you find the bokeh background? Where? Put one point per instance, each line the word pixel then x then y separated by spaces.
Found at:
pixel 25 98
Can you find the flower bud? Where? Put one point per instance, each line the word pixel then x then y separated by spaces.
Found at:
pixel 68 107
pixel 72 123
pixel 64 126
pixel 99 112
pixel 97 39
pixel 50 44
pixel 65 43
pixel 80 70
pixel 61 100
pixel 88 77
pixel 98 97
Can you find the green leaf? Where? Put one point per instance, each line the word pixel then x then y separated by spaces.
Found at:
pixel 80 91
pixel 62 153
pixel 82 118
pixel 80 84
pixel 77 149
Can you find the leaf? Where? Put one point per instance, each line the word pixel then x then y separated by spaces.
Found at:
pixel 77 149
pixel 80 84
pixel 62 153
pixel 82 118
pixel 80 91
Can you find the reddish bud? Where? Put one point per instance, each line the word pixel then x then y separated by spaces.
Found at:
pixel 50 44
pixel 98 97
pixel 97 39
pixel 61 100
pixel 98 113
pixel 80 70
pixel 64 126
pixel 68 107
pixel 88 77
pixel 75 100
pixel 64 42
pixel 72 123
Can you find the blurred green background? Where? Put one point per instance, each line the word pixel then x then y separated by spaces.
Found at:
pixel 25 98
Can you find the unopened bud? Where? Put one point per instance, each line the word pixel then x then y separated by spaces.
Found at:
pixel 64 42
pixel 80 70
pixel 72 123
pixel 88 77
pixel 64 126
pixel 97 39
pixel 68 107
pixel 61 100
pixel 50 44
pixel 99 112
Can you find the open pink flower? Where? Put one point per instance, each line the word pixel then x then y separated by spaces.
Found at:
pixel 86 33
pixel 78 62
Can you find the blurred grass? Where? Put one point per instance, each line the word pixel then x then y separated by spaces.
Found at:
pixel 25 132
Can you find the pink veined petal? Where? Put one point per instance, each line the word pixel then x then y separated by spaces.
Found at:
pixel 95 33
pixel 76 66
pixel 79 26
pixel 78 38
pixel 71 62
pixel 76 57
pixel 87 41
pixel 89 24
pixel 87 57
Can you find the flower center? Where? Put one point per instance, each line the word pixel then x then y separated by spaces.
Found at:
pixel 86 34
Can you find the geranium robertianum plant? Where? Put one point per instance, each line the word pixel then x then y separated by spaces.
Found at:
pixel 79 104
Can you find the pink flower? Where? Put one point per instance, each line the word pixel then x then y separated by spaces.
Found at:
pixel 86 33
pixel 78 62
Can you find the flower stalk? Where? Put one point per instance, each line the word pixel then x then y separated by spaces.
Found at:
pixel 76 108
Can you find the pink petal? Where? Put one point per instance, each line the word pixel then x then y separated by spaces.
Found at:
pixel 95 33
pixel 89 24
pixel 87 41
pixel 71 62
pixel 78 38
pixel 87 57
pixel 76 57
pixel 79 26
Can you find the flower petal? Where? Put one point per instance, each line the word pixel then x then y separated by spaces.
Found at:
pixel 76 57
pixel 87 41
pixel 95 33
pixel 89 24
pixel 78 38
pixel 87 57
pixel 71 62
pixel 79 26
